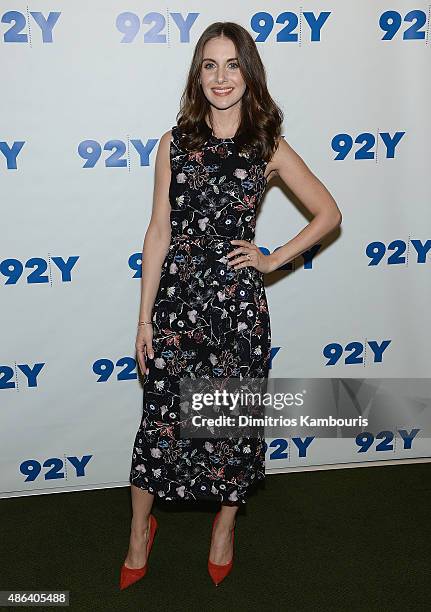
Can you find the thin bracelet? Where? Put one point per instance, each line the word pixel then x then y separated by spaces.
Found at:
pixel 145 323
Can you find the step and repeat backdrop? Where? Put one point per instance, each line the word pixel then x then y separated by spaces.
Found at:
pixel 88 90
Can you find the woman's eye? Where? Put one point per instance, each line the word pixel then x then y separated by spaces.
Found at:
pixel 234 64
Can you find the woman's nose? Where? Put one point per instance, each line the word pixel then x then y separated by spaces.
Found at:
pixel 221 76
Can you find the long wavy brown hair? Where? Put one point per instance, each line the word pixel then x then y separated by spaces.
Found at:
pixel 261 118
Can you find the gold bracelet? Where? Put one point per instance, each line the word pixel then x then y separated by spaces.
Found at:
pixel 145 323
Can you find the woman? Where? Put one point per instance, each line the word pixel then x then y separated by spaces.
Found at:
pixel 203 304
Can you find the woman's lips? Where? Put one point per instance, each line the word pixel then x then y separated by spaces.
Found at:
pixel 223 91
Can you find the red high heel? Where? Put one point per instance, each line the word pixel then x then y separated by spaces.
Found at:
pixel 219 572
pixel 129 575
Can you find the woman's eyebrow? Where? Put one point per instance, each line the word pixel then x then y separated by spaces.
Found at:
pixel 213 60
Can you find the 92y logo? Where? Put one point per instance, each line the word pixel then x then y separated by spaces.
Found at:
pixel 355 353
pixel 342 144
pixel 398 252
pixel 129 24
pixel 10 376
pixel 32 469
pixel 15 270
pixel 413 26
pixel 11 152
pixel 25 28
pixel 298 26
pixel 121 152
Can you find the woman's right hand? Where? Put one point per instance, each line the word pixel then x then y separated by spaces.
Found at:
pixel 144 347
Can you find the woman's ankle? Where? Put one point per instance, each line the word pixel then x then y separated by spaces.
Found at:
pixel 139 527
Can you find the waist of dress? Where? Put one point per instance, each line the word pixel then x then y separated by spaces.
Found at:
pixel 209 237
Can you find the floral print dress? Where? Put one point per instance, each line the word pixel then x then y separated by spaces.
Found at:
pixel 209 320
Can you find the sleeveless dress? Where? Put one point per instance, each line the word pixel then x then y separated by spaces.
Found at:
pixel 208 320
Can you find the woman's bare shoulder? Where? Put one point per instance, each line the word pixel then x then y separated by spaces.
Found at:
pixel 163 152
pixel 166 136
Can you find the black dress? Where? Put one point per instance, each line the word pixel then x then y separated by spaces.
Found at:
pixel 208 320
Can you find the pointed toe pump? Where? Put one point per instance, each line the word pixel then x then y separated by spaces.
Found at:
pixel 219 572
pixel 129 575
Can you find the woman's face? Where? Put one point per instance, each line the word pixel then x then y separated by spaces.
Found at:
pixel 221 78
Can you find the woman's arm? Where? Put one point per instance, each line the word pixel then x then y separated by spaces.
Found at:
pixel 313 194
pixel 158 234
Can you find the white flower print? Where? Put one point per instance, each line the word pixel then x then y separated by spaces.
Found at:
pixel 159 363
pixel 192 315
pixel 240 173
pixel 156 452
pixel 203 223
pixel 181 177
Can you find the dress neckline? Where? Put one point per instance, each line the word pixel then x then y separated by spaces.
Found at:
pixel 214 137
pixel 221 139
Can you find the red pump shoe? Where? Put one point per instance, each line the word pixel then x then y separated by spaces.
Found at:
pixel 219 572
pixel 130 575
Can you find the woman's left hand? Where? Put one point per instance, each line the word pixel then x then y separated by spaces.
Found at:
pixel 250 255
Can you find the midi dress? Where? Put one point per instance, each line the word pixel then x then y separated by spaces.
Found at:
pixel 209 320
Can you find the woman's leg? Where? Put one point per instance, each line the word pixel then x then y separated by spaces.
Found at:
pixel 142 502
pixel 221 551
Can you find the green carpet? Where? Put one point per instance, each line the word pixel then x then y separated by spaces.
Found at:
pixel 350 539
